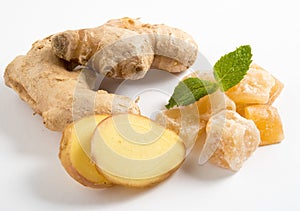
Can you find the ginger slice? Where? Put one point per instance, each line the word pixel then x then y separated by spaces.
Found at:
pixel 132 150
pixel 267 121
pixel 230 141
pixel 75 152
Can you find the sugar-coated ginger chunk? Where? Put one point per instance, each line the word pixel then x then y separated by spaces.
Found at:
pixel 190 121
pixel 230 141
pixel 275 91
pixel 185 121
pixel 213 103
pixel 267 121
pixel 255 87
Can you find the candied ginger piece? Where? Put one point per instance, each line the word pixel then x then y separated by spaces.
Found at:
pixel 185 121
pixel 230 140
pixel 267 121
pixel 255 87
pixel 240 109
pixel 190 121
pixel 213 103
pixel 275 91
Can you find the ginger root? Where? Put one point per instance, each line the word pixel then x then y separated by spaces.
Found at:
pixel 59 96
pixel 127 48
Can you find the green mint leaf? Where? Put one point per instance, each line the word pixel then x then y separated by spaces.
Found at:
pixel 228 72
pixel 190 90
pixel 232 67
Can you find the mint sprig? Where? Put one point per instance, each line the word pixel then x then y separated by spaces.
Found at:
pixel 232 67
pixel 228 71
pixel 190 89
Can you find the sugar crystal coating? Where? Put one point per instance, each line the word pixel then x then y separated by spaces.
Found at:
pixel 267 121
pixel 255 87
pixel 231 139
pixel 185 121
pixel 275 91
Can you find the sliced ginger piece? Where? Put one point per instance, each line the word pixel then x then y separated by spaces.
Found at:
pixel 74 152
pixel 267 121
pixel 230 140
pixel 255 87
pixel 134 151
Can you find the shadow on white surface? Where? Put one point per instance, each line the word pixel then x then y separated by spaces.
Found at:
pixel 23 130
pixel 206 172
pixel 51 183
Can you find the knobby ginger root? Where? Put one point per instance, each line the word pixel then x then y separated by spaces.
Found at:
pixel 59 96
pixel 127 48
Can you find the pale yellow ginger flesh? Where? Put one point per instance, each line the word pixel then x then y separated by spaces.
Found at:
pixel 126 48
pixel 230 140
pixel 75 150
pixel 60 96
pixel 132 150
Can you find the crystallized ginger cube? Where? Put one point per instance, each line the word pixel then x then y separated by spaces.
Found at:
pixel 240 109
pixel 275 91
pixel 255 87
pixel 230 141
pixel 189 122
pixel 213 103
pixel 267 121
pixel 185 121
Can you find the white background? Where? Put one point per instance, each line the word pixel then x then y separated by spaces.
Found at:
pixel 32 177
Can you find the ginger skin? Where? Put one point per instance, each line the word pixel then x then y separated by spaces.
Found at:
pixel 122 48
pixel 126 48
pixel 59 96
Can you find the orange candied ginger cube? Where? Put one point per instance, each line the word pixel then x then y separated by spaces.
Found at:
pixel 255 87
pixel 275 91
pixel 265 89
pixel 267 121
